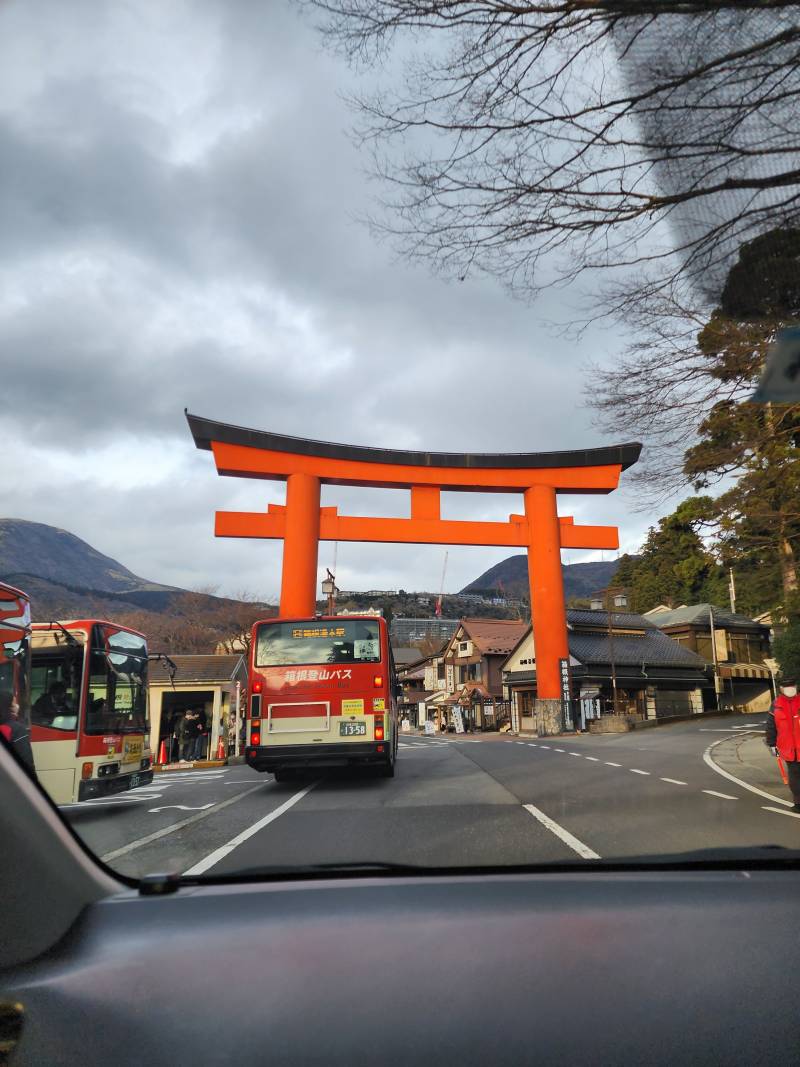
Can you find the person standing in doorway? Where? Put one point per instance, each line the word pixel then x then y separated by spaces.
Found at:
pixel 187 735
pixel 783 734
pixel 201 733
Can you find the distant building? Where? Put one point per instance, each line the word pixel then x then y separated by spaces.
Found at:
pixel 741 646
pixel 404 630
pixel 377 612
pixel 655 678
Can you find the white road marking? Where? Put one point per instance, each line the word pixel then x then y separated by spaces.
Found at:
pixel 579 754
pixel 608 763
pixel 568 839
pixel 673 781
pixel 225 850
pixel 746 729
pixel 594 759
pixel 559 750
pixel 519 742
pixel 722 796
pixel 544 746
pixel 781 811
pixel 149 838
pixel 738 781
pixel 634 771
pixel 179 807
pixel 531 745
pixel 106 802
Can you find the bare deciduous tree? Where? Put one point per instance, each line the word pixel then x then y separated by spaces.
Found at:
pixel 658 135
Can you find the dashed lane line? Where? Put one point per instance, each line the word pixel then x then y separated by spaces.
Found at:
pixel 673 781
pixel 559 750
pixel 544 746
pixel 593 759
pixel 608 763
pixel 722 796
pixel 633 770
pixel 781 811
pixel 224 850
pixel 569 839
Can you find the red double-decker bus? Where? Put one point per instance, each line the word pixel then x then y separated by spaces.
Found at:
pixel 322 693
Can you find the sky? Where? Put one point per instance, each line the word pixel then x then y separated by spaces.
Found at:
pixel 179 204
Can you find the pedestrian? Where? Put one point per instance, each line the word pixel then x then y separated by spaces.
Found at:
pixel 201 734
pixel 187 735
pixel 15 732
pixel 783 733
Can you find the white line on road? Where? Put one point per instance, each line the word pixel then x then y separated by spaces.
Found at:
pixel 225 850
pixel 559 750
pixel 532 745
pixel 781 811
pixel 673 781
pixel 738 781
pixel 594 759
pixel 608 763
pixel 519 742
pixel 634 771
pixel 722 796
pixel 141 841
pixel 544 746
pixel 179 807
pixel 565 835
pixel 579 754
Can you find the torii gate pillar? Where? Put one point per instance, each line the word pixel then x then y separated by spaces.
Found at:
pixel 306 465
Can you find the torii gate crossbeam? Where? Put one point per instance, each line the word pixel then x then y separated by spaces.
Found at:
pixel 302 523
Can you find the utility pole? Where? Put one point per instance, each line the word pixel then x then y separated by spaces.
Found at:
pixel 714 653
pixel 611 650
pixel 732 591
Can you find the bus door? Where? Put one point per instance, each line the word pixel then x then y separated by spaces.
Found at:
pixel 15 624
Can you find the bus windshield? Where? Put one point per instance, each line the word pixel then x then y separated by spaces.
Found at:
pixel 116 700
pixel 292 643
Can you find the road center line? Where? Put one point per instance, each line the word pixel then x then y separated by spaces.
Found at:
pixel 157 834
pixel 673 781
pixel 608 763
pixel 559 750
pixel 225 850
pixel 544 746
pixel 531 745
pixel 577 846
pixel 723 796
pixel 781 811
pixel 594 759
pixel 578 754
pixel 634 771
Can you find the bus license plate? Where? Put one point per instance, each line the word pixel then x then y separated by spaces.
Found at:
pixel 134 781
pixel 352 729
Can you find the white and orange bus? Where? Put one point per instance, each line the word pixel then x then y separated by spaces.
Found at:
pixel 322 693
pixel 88 709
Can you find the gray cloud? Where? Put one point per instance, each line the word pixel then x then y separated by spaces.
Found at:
pixel 177 204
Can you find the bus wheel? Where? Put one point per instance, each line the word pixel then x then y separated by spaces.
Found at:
pixel 284 776
pixel 387 770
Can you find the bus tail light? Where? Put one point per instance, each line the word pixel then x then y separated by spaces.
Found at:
pixel 258 685
pixel 86 771
pixel 378 681
pixel 381 748
pixel 255 737
pixel 379 729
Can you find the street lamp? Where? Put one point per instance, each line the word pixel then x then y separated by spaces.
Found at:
pixel 329 590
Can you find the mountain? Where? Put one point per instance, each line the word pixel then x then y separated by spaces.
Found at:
pixel 66 578
pixel 580 579
pixel 53 554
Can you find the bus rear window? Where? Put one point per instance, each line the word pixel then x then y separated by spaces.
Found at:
pixel 288 644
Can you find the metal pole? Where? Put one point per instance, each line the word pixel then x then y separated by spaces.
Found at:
pixel 732 590
pixel 611 651
pixel 236 719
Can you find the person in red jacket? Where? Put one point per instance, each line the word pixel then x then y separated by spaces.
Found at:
pixel 783 733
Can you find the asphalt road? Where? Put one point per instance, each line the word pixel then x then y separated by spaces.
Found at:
pixel 454 801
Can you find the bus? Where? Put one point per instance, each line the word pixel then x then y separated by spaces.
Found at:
pixel 322 693
pixel 15 666
pixel 88 709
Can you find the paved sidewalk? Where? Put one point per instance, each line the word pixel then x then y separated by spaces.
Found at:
pixel 749 759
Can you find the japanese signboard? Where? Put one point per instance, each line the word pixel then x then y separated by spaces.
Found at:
pixel 566 693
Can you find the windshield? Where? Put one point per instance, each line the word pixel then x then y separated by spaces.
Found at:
pixel 117 683
pixel 421 380
pixel 291 644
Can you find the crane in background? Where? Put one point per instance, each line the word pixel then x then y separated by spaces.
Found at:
pixel 438 609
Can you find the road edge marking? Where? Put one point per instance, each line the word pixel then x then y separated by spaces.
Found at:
pixel 157 834
pixel 225 850
pixel 738 781
pixel 569 839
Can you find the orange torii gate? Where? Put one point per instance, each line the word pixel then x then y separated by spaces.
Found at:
pixel 306 465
